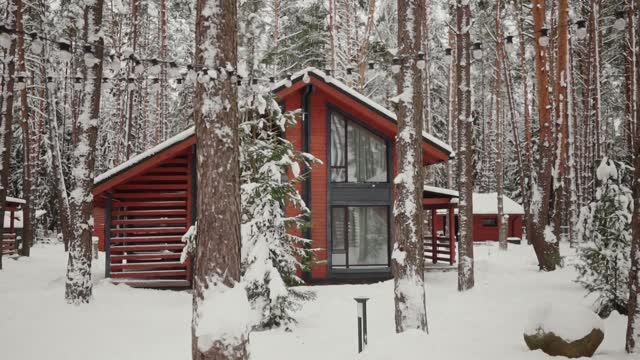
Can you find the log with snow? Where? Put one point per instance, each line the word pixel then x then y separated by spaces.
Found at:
pixel 563 330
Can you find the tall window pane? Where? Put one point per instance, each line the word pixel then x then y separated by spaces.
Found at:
pixel 368 236
pixel 338 161
pixel 338 236
pixel 367 156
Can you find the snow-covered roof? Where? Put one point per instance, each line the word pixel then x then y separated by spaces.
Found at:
pixel 15 200
pixel 145 155
pixel 295 77
pixel 487 203
pixel 360 97
pixel 442 191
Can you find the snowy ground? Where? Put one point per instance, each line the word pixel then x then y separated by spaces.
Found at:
pixel 124 323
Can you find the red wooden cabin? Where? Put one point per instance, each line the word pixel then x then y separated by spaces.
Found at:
pixel 9 234
pixel 144 205
pixel 485 218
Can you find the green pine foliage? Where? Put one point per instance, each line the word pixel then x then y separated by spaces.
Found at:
pixel 605 242
pixel 272 254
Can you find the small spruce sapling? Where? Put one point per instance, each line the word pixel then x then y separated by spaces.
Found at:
pixel 605 241
pixel 272 253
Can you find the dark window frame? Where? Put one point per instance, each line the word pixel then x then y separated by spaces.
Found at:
pixel 348 118
pixel 490 222
pixel 347 266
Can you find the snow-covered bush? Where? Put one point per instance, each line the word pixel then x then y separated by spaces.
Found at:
pixel 271 252
pixel 605 241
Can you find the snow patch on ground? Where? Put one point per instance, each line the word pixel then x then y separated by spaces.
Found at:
pixel 123 323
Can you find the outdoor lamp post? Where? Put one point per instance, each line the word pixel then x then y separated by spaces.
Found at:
pixel 362 322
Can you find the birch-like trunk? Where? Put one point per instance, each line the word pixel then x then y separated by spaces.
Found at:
pixel 408 255
pixel 6 133
pixel 465 146
pixel 217 270
pixel 79 287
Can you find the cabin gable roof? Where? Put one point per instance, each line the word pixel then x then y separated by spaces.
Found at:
pixel 337 90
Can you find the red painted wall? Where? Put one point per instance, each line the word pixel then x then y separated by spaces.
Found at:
pixel 488 233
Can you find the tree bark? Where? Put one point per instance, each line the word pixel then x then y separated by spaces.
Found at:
pixel 218 177
pixel 547 250
pixel 6 133
pixel 465 146
pixel 408 255
pixel 502 226
pixel 79 287
pixel 27 181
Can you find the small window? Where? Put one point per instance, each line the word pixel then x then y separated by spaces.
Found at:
pixel 491 222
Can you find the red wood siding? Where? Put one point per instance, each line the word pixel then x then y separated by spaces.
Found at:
pixel 150 213
pixel 488 233
pixel 98 226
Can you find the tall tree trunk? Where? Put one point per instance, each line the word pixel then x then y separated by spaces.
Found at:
pixel 27 187
pixel 79 286
pixel 218 260
pixel 546 248
pixel 465 146
pixel 633 322
pixel 562 118
pixel 502 226
pixel 132 88
pixel 408 255
pixel 6 132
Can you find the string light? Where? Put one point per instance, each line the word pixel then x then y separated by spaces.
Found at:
pixel 581 29
pixel 395 66
pixel 621 23
pixel 421 63
pixel 508 44
pixel 543 40
pixel 477 50
pixel 447 56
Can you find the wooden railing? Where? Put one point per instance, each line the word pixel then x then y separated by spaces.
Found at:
pixel 444 251
pixel 9 244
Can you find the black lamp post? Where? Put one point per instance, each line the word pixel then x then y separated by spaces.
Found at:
pixel 362 322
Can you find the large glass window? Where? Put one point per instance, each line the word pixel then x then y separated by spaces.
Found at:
pixel 360 237
pixel 357 155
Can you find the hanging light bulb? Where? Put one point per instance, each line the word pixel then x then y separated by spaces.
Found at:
pixel 421 63
pixel 581 29
pixel 51 85
pixel 477 50
pixel 306 78
pixel 543 40
pixel 508 44
pixel 21 81
pixel 288 82
pixel 77 85
pixel 621 23
pixel 395 65
pixel 447 56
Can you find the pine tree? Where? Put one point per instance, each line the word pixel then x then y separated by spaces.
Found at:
pixel 605 247
pixel 219 323
pixel 271 249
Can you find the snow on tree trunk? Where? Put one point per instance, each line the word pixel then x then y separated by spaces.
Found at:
pixel 633 325
pixel 78 286
pixel 27 181
pixel 220 307
pixel 6 134
pixel 502 226
pixel 544 242
pixel 465 146
pixel 407 257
